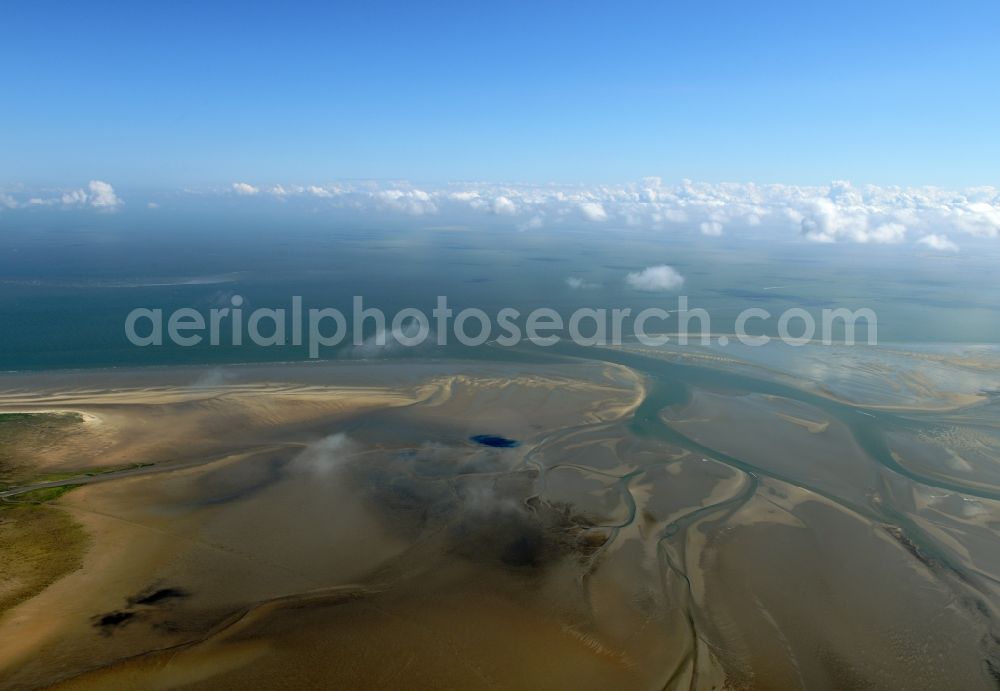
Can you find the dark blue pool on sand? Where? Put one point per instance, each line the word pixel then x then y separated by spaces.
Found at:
pixel 495 441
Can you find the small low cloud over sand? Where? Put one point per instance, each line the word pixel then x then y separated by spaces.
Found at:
pixel 326 455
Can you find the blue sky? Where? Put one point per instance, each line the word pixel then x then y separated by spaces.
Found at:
pixel 174 94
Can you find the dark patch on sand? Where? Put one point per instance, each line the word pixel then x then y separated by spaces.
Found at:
pixel 109 622
pixel 151 600
pixel 485 505
pixel 156 596
pixel 236 483
pixel 993 671
pixel 530 533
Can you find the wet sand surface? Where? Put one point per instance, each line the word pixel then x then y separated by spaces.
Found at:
pixel 654 522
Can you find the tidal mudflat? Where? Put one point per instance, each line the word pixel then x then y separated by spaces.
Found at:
pixel 598 518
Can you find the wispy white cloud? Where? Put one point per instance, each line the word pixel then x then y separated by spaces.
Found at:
pixel 328 455
pixel 938 242
pixel 534 223
pixel 387 343
pixel 655 279
pixel 711 228
pixel 577 283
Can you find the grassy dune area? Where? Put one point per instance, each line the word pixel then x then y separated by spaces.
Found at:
pixel 25 434
pixel 40 544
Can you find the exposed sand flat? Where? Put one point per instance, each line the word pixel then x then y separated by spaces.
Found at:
pixel 818 452
pixel 467 639
pixel 811 588
pixel 949 402
pixel 337 526
pixel 809 425
pixel 267 513
pixel 139 417
pixel 169 395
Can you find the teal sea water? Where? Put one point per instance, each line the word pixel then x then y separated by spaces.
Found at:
pixel 68 279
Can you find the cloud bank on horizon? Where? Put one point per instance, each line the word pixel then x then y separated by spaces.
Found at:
pixel 97 195
pixel 838 212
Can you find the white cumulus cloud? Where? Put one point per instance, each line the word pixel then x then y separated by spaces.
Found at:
pixel 99 195
pixel 102 195
pixel 68 198
pixel 502 206
pixel 655 279
pixel 245 189
pixel 594 211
